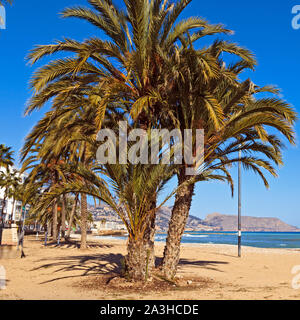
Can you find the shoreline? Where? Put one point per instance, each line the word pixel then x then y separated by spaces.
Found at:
pixel 162 243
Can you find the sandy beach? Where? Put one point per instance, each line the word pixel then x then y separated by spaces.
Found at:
pixel 205 272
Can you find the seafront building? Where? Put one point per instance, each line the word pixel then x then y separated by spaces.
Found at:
pixel 12 209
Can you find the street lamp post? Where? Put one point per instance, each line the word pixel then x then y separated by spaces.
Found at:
pixel 239 206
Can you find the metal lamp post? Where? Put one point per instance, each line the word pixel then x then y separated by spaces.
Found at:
pixel 239 206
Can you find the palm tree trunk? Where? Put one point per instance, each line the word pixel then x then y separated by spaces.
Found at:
pixel 63 217
pixel 72 216
pixel 137 259
pixel 54 221
pixel 149 238
pixel 50 229
pixel 2 210
pixel 2 220
pixel 83 244
pixel 180 213
pixel 13 209
pixel 3 206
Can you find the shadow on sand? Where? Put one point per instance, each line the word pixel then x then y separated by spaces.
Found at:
pixel 75 244
pixel 198 263
pixel 102 264
pixel 86 265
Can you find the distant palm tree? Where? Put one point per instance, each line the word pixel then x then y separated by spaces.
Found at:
pixel 45 175
pixel 6 156
pixel 9 181
pixel 15 190
pixel 6 160
pixel 71 138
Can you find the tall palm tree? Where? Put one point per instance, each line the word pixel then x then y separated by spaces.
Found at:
pixel 235 120
pixel 141 40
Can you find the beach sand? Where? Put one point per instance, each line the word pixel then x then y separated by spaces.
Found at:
pixel 205 272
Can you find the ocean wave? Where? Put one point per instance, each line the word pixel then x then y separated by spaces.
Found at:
pixel 195 236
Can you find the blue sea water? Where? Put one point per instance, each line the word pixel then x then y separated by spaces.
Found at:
pixel 250 239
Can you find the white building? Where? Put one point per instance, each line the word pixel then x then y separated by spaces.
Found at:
pixel 12 209
pixel 104 225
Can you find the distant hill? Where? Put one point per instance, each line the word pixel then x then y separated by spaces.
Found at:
pixel 213 222
pixel 222 222
pixel 229 223
pixel 193 223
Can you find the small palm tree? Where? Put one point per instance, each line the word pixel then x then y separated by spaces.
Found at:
pixel 130 191
pixel 6 156
pixel 9 181
pixel 15 190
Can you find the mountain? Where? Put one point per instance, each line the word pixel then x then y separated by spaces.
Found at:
pixel 104 212
pixel 213 222
pixel 229 223
pixel 193 223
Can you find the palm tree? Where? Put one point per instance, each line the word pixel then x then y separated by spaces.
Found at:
pixel 14 190
pixel 69 138
pixel 44 175
pixel 6 156
pixel 9 181
pixel 134 189
pixel 141 39
pixel 233 119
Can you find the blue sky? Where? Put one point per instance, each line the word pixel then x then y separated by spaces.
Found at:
pixel 262 26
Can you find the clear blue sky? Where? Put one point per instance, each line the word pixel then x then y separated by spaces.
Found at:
pixel 263 26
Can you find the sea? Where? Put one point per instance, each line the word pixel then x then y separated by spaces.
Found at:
pixel 249 239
